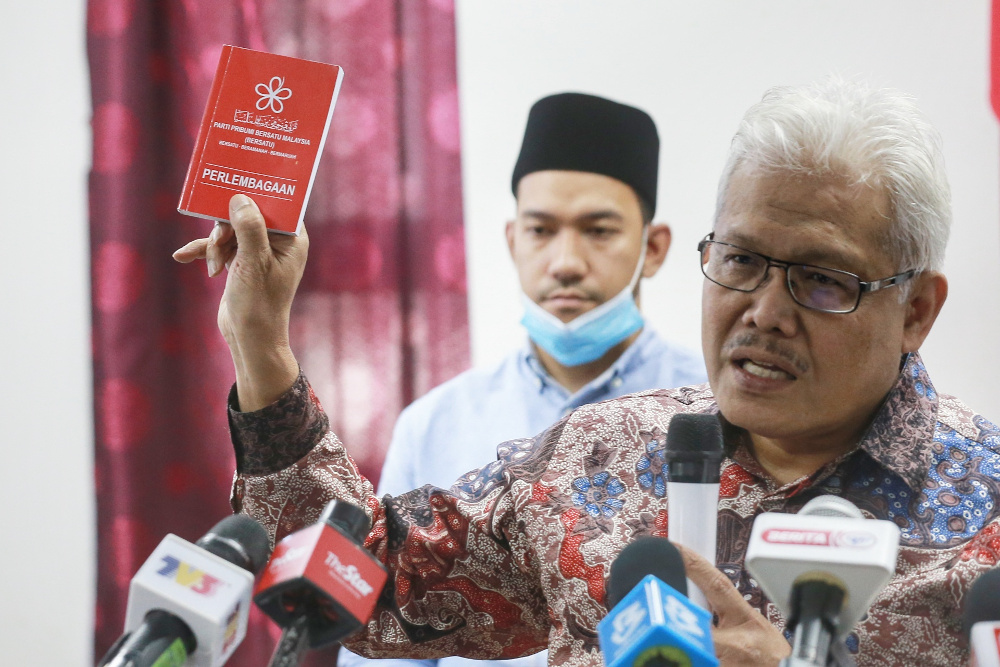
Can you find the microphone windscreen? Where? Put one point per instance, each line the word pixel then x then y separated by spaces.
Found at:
pixel 694 433
pixel 982 602
pixel 830 505
pixel 647 555
pixel 239 540
pixel 348 517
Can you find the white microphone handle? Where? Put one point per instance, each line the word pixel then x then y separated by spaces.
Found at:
pixel 692 520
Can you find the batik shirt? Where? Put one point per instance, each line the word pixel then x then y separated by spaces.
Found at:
pixel 456 427
pixel 515 556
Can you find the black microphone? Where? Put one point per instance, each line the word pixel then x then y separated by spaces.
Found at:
pixel 188 604
pixel 163 640
pixel 646 556
pixel 981 619
pixel 321 584
pixel 651 623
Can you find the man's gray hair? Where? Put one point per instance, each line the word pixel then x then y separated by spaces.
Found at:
pixel 869 136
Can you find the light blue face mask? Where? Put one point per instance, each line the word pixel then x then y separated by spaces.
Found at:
pixel 589 336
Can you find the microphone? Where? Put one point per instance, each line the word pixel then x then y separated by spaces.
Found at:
pixel 651 623
pixel 321 584
pixel 188 604
pixel 694 455
pixel 981 620
pixel 823 568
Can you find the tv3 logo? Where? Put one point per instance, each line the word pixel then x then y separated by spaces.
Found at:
pixel 190 577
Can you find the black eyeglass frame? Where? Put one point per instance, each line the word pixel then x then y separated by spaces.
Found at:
pixel 864 286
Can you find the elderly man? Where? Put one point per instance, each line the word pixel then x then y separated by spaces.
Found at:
pixel 822 279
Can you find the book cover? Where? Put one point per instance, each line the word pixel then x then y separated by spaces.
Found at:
pixel 262 135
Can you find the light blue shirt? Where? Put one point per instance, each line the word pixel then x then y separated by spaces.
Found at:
pixel 456 427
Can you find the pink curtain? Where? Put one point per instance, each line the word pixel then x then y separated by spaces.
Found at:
pixel 381 313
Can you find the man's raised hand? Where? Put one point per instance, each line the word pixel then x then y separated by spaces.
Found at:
pixel 264 272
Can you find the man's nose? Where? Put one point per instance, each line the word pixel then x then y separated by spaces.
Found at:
pixel 568 263
pixel 771 306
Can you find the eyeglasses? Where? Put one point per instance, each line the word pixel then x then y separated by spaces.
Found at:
pixel 814 287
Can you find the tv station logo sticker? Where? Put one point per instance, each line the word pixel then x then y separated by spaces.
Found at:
pixel 188 576
pixel 850 539
pixel 627 622
pixel 349 574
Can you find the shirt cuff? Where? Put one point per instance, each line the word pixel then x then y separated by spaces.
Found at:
pixel 276 436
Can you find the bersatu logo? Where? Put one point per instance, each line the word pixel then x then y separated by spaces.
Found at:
pixel 273 94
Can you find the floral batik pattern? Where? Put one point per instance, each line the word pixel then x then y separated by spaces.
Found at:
pixel 515 556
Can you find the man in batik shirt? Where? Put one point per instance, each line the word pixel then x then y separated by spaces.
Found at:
pixel 822 279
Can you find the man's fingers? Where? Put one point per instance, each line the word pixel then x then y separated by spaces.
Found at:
pixel 192 251
pixel 722 596
pixel 221 248
pixel 222 234
pixel 743 636
pixel 248 225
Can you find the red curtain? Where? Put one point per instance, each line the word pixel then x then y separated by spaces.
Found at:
pixel 381 312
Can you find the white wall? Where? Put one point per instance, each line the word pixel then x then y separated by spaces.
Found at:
pixel 46 459
pixel 694 65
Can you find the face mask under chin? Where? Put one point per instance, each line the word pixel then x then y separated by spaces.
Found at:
pixel 588 337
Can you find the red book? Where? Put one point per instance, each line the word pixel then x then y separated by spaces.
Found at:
pixel 262 135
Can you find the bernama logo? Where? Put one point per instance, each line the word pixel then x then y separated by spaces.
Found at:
pixel 627 622
pixel 273 95
pixel 348 573
pixel 851 539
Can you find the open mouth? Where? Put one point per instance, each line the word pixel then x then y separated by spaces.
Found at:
pixel 763 370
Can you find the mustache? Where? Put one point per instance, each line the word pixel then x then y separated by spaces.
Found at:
pixel 769 345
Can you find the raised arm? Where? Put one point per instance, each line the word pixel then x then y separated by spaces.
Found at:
pixel 264 272
pixel 456 559
pixel 459 582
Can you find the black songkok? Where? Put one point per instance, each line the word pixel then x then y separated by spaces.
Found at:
pixel 577 132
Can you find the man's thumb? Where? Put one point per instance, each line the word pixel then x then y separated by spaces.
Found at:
pixel 248 223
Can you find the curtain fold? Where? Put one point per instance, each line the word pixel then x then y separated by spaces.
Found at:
pixel 380 316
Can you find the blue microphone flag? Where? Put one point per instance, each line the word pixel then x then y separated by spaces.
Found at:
pixel 653 626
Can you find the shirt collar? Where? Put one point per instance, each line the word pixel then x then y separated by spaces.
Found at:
pixel 898 438
pixel 900 435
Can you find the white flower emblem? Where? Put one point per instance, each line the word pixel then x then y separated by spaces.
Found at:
pixel 271 95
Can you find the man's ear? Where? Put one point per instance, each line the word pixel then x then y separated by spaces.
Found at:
pixel 927 294
pixel 509 230
pixel 657 244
